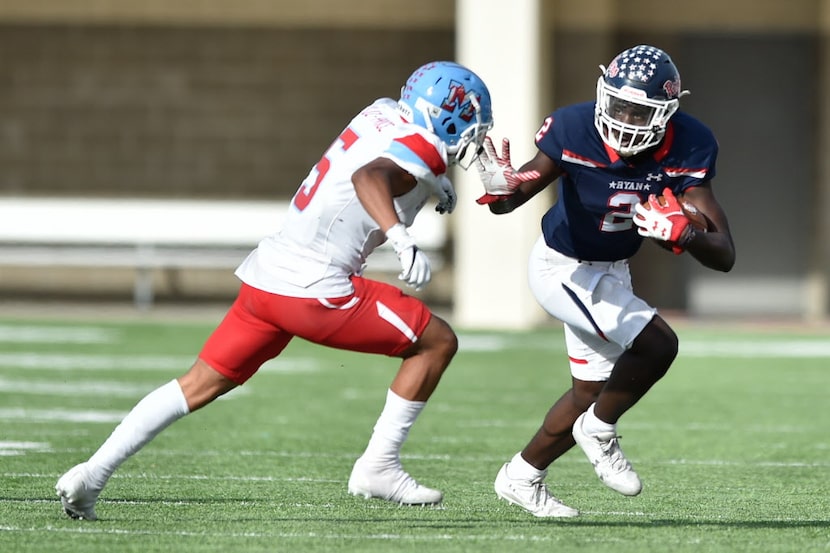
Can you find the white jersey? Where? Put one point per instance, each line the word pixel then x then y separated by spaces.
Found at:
pixel 327 233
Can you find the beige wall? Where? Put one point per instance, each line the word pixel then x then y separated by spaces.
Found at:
pixel 715 15
pixel 237 98
pixel 637 15
pixel 187 111
pixel 387 14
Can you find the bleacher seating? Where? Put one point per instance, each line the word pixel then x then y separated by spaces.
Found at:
pixel 149 235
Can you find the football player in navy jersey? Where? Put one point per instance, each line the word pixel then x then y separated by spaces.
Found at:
pixel 613 158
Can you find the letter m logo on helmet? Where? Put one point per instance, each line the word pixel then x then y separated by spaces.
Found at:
pixel 453 103
pixel 456 99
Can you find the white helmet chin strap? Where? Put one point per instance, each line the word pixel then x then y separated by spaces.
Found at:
pixel 428 111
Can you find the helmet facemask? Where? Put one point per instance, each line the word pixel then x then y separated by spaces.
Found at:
pixel 457 148
pixel 472 137
pixel 624 136
pixel 451 102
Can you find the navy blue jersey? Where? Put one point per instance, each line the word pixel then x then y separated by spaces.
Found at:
pixel 592 217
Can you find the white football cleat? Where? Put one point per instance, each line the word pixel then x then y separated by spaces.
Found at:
pixel 531 495
pixel 604 452
pixel 77 494
pixel 390 483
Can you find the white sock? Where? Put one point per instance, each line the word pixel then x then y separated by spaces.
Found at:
pixel 592 425
pixel 158 410
pixel 392 427
pixel 519 469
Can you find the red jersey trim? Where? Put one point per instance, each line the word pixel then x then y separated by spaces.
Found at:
pixel 659 154
pixel 426 151
pixel 686 172
pixel 573 157
pixel 613 156
pixel 668 140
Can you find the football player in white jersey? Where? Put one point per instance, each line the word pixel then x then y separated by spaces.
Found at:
pixel 305 281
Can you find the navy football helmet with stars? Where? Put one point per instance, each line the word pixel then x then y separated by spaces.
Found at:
pixel 637 94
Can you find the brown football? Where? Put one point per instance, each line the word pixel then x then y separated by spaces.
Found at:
pixel 696 218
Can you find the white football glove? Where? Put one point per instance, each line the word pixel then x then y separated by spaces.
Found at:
pixel 497 173
pixel 663 222
pixel 445 192
pixel 416 271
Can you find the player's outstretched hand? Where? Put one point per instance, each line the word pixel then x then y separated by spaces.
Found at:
pixel 497 173
pixel 415 267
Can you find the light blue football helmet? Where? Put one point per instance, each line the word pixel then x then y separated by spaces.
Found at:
pixel 453 103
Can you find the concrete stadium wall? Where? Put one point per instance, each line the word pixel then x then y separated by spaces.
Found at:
pixel 187 111
pixel 237 99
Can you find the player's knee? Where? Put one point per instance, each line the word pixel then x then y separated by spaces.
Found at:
pixel 441 338
pixel 584 394
pixel 663 348
pixel 448 343
pixel 657 342
pixel 666 348
pixel 202 384
pixel 671 347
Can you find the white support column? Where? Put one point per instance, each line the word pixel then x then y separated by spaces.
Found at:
pixel 501 42
pixel 817 286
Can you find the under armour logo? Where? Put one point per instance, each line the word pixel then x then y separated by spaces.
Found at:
pixel 651 176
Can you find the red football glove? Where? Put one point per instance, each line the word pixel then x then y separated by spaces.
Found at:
pixel 497 174
pixel 662 222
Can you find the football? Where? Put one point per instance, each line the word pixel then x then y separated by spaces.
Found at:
pixel 696 218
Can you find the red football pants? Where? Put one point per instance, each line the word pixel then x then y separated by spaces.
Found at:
pixel 377 318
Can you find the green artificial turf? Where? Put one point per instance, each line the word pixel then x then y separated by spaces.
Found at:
pixel 732 447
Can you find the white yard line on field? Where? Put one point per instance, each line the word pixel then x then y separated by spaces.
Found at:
pixel 60 415
pixel 797 347
pixel 72 361
pixel 8 448
pixel 57 361
pixel 96 388
pixel 753 348
pixel 58 334
pixel 25 415
pixel 82 528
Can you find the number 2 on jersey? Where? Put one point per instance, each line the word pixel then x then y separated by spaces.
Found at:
pixel 620 219
pixel 304 194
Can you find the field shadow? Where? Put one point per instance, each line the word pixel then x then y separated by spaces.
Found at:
pixel 439 519
pixel 685 523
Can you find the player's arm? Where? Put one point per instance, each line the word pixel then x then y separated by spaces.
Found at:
pixel 375 184
pixel 548 172
pixel 715 248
